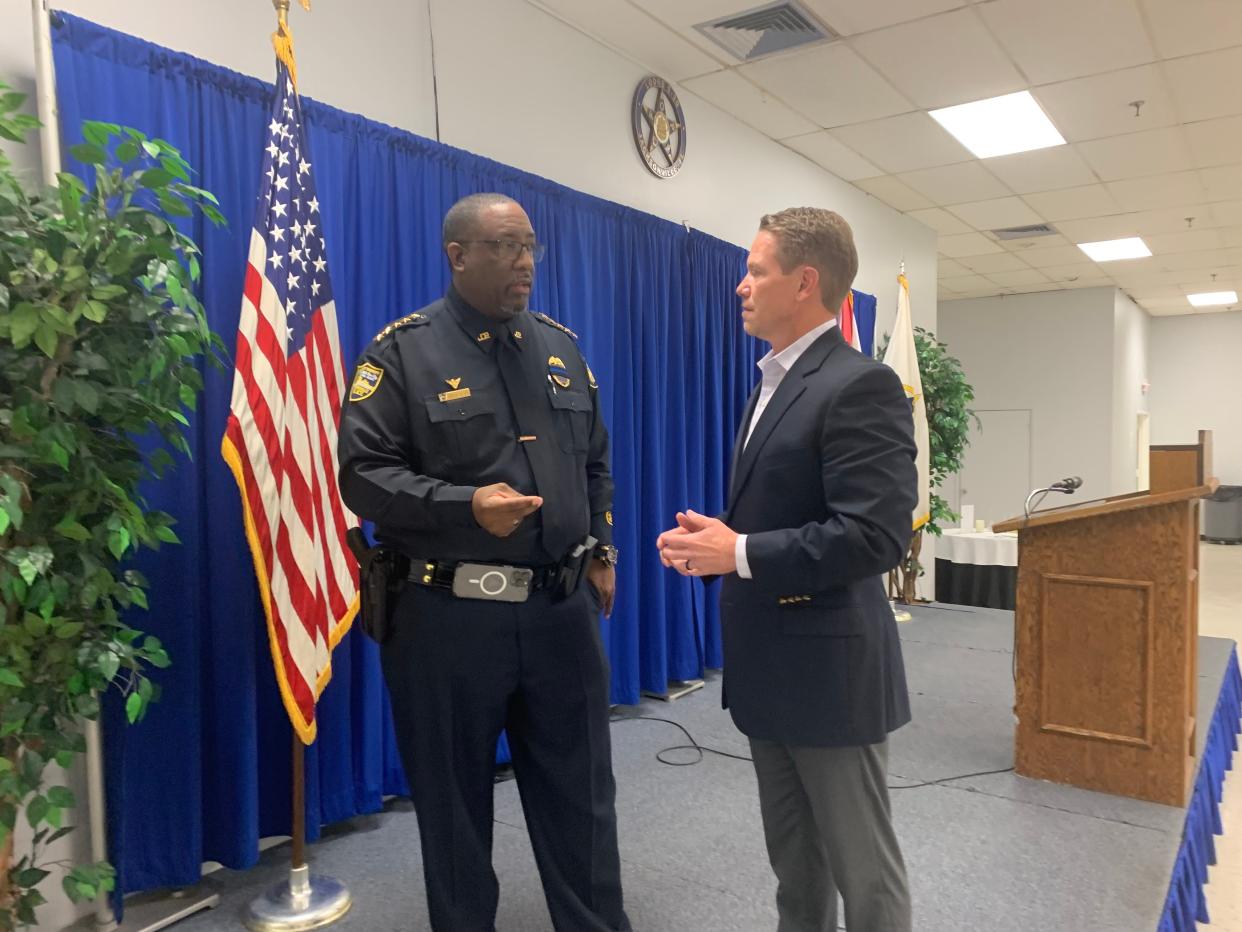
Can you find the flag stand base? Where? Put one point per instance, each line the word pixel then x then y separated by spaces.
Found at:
pixel 301 902
pixel 676 689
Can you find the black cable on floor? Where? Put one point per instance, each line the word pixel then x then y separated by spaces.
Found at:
pixel 702 749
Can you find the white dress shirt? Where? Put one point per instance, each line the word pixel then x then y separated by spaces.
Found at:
pixel 774 367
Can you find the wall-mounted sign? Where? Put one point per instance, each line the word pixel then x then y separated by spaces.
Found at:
pixel 659 126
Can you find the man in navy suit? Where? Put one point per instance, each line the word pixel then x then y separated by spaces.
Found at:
pixel 823 490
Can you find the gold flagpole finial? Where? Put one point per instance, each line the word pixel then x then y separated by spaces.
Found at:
pixel 282 38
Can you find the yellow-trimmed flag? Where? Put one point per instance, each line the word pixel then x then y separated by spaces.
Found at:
pixel 280 441
pixel 903 359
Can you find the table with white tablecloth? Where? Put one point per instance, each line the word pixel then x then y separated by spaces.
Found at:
pixel 977 568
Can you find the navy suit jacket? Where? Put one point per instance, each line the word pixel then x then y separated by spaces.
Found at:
pixel 825 491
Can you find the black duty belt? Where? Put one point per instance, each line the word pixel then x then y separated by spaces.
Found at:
pixel 438 574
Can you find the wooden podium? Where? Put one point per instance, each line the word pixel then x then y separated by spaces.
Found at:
pixel 1106 636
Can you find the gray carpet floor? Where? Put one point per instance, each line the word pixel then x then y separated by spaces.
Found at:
pixel 985 853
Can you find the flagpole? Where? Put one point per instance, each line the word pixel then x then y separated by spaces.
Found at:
pixel 303 901
pixel 298 854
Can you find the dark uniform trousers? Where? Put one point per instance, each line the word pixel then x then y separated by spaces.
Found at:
pixel 460 670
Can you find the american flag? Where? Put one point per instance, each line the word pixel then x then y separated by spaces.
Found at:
pixel 281 436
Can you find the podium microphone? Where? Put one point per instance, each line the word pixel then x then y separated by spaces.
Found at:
pixel 1066 486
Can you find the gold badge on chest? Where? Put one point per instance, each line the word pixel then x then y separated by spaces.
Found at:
pixel 557 371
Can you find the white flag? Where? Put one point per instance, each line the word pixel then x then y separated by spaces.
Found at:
pixel 903 359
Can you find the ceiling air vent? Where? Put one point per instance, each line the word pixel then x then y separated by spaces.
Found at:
pixel 775 27
pixel 1037 229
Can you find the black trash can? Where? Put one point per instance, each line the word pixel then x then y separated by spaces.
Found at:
pixel 1222 515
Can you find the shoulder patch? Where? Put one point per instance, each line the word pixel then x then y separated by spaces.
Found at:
pixel 553 323
pixel 408 320
pixel 366 380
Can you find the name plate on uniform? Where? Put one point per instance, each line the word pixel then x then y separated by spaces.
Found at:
pixel 457 395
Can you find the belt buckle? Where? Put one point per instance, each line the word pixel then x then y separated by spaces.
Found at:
pixel 492 583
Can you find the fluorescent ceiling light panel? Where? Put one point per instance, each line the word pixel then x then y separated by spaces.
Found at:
pixel 1110 250
pixel 1213 298
pixel 1000 125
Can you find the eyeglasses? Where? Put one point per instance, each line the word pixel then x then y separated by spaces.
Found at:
pixel 510 250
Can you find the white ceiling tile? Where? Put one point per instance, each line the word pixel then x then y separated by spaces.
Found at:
pixel 688 12
pixel 1160 191
pixel 966 283
pixel 1206 86
pixel 1076 272
pixel 1231 236
pixel 956 184
pixel 1045 241
pixel 830 84
pixel 940 220
pixel 1184 27
pixel 993 262
pixel 1216 142
pixel 1051 258
pixel 1157 310
pixel 1173 219
pixel 1227 213
pixel 1222 183
pixel 1209 259
pixel 903 143
pixel 734 94
pixel 1193 282
pixel 634 33
pixel 1091 200
pixel 1042 170
pixel 997 213
pixel 1019 278
pixel 1036 289
pixel 1153 152
pixel 950 268
pixel 1101 282
pixel 1095 229
pixel 1098 106
pixel 1140 279
pixel 1053 40
pixel 893 193
pixel 833 155
pixel 682 16
pixel 850 17
pixel 966 244
pixel 1183 242
pixel 1156 293
pixel 914 56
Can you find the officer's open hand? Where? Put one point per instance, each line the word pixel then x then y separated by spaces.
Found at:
pixel 499 509
pixel 603 579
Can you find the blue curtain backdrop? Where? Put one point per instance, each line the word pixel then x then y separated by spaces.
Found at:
pixel 206 774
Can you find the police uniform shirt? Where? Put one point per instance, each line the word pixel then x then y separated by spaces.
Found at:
pixel 429 419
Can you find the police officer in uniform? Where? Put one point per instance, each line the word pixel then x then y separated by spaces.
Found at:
pixel 472 437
